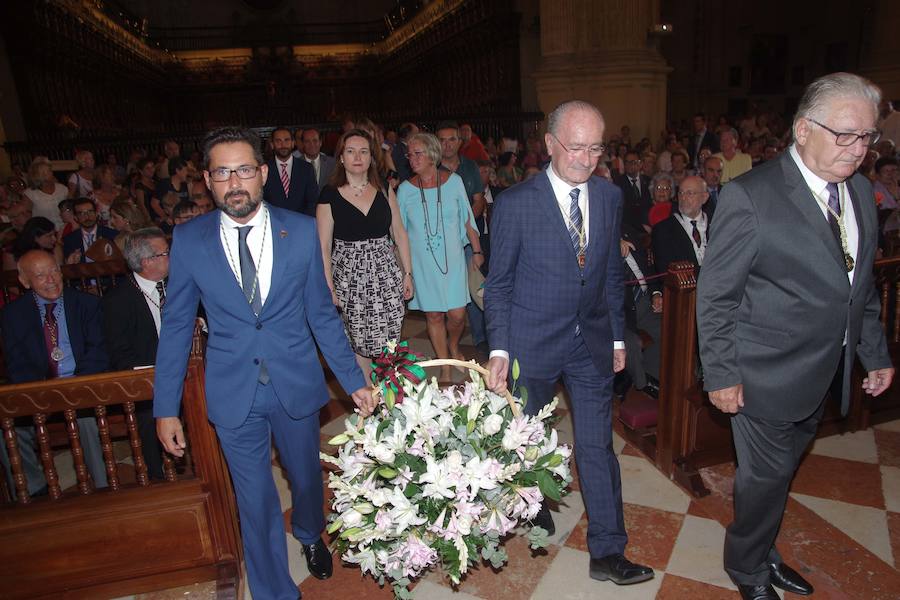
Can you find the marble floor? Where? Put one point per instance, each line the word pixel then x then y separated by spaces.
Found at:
pixel 841 531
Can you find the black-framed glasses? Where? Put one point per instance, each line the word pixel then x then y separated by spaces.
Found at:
pixel 224 173
pixel 159 255
pixel 593 151
pixel 848 138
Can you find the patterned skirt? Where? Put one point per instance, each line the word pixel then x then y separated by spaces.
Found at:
pixel 369 286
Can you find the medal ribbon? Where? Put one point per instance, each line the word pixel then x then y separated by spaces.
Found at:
pixel 395 363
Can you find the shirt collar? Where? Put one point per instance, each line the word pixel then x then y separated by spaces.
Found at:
pixel 561 189
pixel 146 285
pixel 44 302
pixel 287 162
pixel 258 219
pixel 813 181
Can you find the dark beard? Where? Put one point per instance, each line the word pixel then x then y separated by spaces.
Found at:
pixel 239 212
pixel 287 152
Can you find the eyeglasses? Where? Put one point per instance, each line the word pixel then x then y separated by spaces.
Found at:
pixel 848 138
pixel 416 154
pixel 160 255
pixel 664 188
pixel 593 151
pixel 224 173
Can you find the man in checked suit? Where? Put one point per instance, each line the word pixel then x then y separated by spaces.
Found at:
pixel 293 182
pixel 258 270
pixel 785 304
pixel 553 301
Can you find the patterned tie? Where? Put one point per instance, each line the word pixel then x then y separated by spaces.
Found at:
pixel 161 290
pixel 285 179
pixel 695 233
pixel 834 204
pixel 576 226
pixel 248 270
pixel 51 338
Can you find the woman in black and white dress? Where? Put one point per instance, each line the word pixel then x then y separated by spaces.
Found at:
pixel 357 222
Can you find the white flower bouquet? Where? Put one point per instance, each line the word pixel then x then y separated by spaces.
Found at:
pixel 439 476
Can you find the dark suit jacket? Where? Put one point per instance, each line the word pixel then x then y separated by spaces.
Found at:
pixel 671 243
pixel 634 208
pixel 398 153
pixel 653 285
pixel 773 298
pixel 74 241
pixel 709 139
pixel 298 315
pixel 536 293
pixel 23 336
pixel 128 327
pixel 303 191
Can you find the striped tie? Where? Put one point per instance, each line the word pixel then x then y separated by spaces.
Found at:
pixel 575 222
pixel 285 179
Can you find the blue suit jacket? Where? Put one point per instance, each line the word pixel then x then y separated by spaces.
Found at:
pixel 303 191
pixel 23 336
pixel 74 241
pixel 535 292
pixel 298 314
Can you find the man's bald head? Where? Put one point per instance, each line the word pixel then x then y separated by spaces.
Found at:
pixel 39 272
pixel 692 194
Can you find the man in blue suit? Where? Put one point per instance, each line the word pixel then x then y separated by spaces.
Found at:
pixel 553 301
pixel 293 182
pixel 258 271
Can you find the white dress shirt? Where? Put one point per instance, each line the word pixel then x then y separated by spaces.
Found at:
pixel 151 297
pixel 689 230
pixel 817 186
pixel 316 164
pixel 261 252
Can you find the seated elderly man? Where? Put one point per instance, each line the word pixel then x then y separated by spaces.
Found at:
pixel 683 236
pixel 48 334
pixel 131 318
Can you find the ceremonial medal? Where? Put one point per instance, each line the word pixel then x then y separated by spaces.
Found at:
pixel 581 259
pixel 848 260
pixel 56 354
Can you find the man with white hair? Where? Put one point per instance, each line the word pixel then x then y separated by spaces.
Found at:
pixel 734 162
pixel 785 303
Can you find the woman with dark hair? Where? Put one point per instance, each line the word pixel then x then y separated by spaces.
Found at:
pixel 437 215
pixel 356 221
pixel 508 173
pixel 145 187
pixel 126 218
pixel 39 233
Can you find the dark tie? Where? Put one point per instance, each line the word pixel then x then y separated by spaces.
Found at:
pixel 695 233
pixel 248 270
pixel 834 204
pixel 634 186
pixel 251 286
pixel 576 225
pixel 161 290
pixel 51 338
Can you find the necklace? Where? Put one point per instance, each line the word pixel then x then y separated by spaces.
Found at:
pixel 439 226
pixel 146 295
pixel 235 270
pixel 849 263
pixel 358 189
pixel 56 352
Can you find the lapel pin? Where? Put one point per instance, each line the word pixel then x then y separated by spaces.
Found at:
pixel 283 233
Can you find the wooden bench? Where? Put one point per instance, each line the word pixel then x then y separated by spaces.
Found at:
pixel 131 537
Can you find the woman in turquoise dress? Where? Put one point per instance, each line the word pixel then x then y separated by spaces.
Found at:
pixel 439 221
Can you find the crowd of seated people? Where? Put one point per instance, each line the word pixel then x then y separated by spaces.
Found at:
pixel 670 189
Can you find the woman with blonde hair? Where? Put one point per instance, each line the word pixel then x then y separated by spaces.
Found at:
pixel 356 221
pixel 81 182
pixel 44 192
pixel 106 190
pixel 125 217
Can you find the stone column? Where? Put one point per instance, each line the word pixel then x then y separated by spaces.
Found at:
pixel 602 52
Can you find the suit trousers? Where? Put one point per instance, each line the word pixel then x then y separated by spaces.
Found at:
pixel 768 453
pixel 248 451
pixel 590 397
pixel 642 362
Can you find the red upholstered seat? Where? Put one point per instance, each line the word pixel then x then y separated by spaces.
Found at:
pixel 638 410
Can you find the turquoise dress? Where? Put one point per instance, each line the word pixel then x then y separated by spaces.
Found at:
pixel 436 242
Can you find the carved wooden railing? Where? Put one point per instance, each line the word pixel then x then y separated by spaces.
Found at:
pixel 131 537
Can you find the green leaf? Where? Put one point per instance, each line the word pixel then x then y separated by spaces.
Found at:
pixel 339 440
pixel 515 369
pixel 389 397
pixel 547 485
pixel 381 427
pixel 538 538
pixel 352 531
pixel 334 526
pixel 470 427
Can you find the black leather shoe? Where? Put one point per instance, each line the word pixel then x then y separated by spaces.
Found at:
pixel 652 387
pixel 621 383
pixel 619 570
pixel 786 578
pixel 544 519
pixel 318 559
pixel 757 592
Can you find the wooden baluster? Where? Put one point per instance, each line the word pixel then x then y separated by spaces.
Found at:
pixel 43 438
pixel 15 460
pixel 112 473
pixel 896 336
pixel 168 467
pixel 85 485
pixel 137 455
